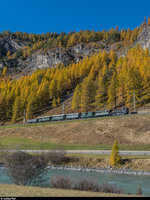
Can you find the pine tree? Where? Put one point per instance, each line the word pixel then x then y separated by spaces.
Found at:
pixel 53 89
pixel 32 106
pixel 54 102
pixel 101 93
pixel 4 71
pixel 43 93
pixel 16 110
pixel 115 158
pixel 58 100
pixel 134 83
pixel 88 93
pixel 112 92
pixel 8 54
pixel 76 97
pixel 2 108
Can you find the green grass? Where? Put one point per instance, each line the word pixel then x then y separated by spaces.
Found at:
pixel 24 144
pixel 9 190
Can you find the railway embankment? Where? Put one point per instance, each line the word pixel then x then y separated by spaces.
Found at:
pixel 127 130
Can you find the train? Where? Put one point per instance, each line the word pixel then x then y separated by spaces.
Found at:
pixel 85 115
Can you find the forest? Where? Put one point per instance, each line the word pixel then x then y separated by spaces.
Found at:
pixel 102 80
pixel 34 42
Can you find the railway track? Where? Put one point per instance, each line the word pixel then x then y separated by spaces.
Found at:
pixel 61 121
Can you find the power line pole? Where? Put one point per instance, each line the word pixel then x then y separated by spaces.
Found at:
pixel 134 101
pixel 24 116
pixel 63 108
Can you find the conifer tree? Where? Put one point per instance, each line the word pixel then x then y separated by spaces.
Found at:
pixel 134 83
pixel 32 106
pixel 115 158
pixel 100 97
pixel 76 101
pixel 8 54
pixel 4 71
pixel 2 108
pixel 16 110
pixel 112 92
pixel 87 96
pixel 43 93
pixel 53 89
pixel 58 100
pixel 54 102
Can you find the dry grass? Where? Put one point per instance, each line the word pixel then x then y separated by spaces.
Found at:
pixel 102 161
pixel 26 191
pixel 138 164
pixel 129 130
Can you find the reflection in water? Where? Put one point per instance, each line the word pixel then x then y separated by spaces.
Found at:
pixel 127 183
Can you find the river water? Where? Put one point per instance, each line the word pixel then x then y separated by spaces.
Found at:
pixel 127 183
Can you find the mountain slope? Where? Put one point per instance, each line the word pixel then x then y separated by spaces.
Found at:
pixel 99 79
pixel 24 53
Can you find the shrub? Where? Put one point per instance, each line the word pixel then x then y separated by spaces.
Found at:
pixel 26 169
pixel 56 156
pixel 86 185
pixel 60 182
pixel 106 188
pixel 139 191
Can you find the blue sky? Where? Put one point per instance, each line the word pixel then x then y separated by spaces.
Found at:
pixel 41 16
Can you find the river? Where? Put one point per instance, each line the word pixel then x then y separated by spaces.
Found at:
pixel 127 183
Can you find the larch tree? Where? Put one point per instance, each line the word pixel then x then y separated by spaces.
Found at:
pixel 54 102
pixel 76 101
pixel 2 108
pixel 4 71
pixel 115 158
pixel 32 106
pixel 112 92
pixel 8 54
pixel 53 89
pixel 101 93
pixel 16 110
pixel 133 84
pixel 87 96
pixel 58 100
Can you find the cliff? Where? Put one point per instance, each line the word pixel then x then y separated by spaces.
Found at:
pixel 51 57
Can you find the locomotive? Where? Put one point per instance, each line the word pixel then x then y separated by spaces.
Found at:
pixel 73 116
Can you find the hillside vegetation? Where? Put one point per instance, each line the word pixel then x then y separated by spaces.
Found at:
pixel 33 42
pixel 102 80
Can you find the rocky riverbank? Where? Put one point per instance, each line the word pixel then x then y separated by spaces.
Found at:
pixel 123 171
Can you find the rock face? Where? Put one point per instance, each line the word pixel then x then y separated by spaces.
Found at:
pixel 59 55
pixel 7 44
pixel 144 37
pixel 41 59
pixel 52 57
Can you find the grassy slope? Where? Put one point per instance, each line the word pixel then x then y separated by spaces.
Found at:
pixel 132 133
pixel 29 144
pixel 26 191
